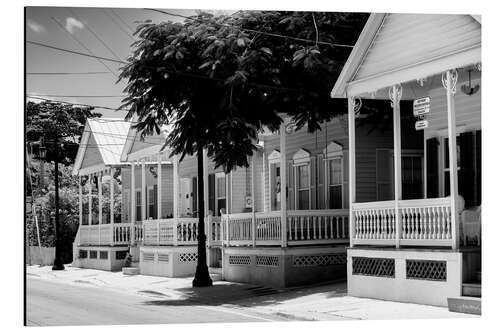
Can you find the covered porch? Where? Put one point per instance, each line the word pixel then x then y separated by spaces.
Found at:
pixel 424 234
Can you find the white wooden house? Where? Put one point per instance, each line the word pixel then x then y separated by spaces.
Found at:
pixel 426 249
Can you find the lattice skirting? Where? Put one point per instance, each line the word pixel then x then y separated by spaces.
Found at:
pixel 239 260
pixel 380 267
pixel 426 270
pixel 271 261
pixel 187 257
pixel 320 260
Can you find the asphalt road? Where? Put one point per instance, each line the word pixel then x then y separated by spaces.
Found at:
pixel 51 303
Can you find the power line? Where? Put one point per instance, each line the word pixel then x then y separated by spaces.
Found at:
pixel 121 19
pixel 76 104
pixel 81 44
pixel 170 71
pixel 118 25
pixel 87 25
pixel 75 96
pixel 66 73
pixel 254 31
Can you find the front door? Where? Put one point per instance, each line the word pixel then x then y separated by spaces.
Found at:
pixel 186 197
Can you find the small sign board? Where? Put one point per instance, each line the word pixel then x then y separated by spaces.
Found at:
pixel 421 106
pixel 421 124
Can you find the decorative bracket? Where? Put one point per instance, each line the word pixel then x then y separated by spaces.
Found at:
pixel 357 103
pixel 422 81
pixel 450 82
pixel 395 93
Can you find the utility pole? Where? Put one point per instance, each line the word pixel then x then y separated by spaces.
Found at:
pixel 58 265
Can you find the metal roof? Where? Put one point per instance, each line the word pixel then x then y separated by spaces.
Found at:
pixel 110 135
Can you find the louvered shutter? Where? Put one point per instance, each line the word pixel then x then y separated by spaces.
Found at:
pixel 290 186
pixel 478 168
pixel 312 204
pixel 432 168
pixel 466 186
pixel 211 193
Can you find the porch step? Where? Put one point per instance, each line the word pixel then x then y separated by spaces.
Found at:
pixel 471 289
pixel 471 305
pixel 131 271
pixel 216 277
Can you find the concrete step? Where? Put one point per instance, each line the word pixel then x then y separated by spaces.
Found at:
pixel 471 305
pixel 216 277
pixel 131 271
pixel 471 289
pixel 215 270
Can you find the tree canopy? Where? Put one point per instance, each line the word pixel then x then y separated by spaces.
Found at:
pixel 219 80
pixel 67 122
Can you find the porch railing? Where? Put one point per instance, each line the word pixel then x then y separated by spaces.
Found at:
pixel 106 234
pixel 423 222
pixel 303 227
pixel 180 231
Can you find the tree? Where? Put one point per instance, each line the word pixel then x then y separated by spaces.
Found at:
pixel 218 81
pixel 60 126
pixel 67 122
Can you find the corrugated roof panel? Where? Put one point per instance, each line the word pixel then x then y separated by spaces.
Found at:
pixel 110 135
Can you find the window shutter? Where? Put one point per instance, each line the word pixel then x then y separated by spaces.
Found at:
pixel 194 198
pixel 384 169
pixel 155 201
pixel 466 184
pixel 478 168
pixel 312 204
pixel 432 168
pixel 290 186
pixel 211 193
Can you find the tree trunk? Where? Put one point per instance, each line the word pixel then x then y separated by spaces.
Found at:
pixel 201 277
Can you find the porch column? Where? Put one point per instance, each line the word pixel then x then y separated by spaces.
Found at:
pixel 132 203
pixel 175 208
pixel 158 196
pixel 283 185
pixel 175 211
pixel 352 164
pixel 395 93
pixel 449 80
pixel 80 208
pixel 112 204
pixel 90 198
pixel 264 206
pixel 99 195
pixel 253 185
pixel 143 190
pixel 205 181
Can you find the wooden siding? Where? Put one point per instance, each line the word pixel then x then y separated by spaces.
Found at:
pixel 366 146
pixel 467 108
pixel 167 189
pixel 148 142
pixel 92 155
pixel 406 39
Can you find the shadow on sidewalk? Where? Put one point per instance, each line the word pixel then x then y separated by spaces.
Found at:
pixel 246 295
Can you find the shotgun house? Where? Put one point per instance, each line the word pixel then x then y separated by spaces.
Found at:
pixel 418 246
pixel 102 238
pixel 256 232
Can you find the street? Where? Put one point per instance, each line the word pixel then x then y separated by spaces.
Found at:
pixel 52 303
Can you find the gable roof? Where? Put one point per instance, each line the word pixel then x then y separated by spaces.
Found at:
pixel 109 135
pixel 399 43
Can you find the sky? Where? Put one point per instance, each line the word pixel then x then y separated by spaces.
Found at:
pixel 76 29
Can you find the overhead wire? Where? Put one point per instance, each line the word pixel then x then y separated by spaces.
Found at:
pixel 81 44
pixel 253 30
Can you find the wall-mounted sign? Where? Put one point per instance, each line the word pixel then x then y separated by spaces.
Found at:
pixel 421 106
pixel 421 124
pixel 248 202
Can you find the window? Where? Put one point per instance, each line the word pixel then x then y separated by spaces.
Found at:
pixel 411 177
pixel 302 170
pixel 334 183
pixel 320 192
pixel 274 180
pixel 220 192
pixel 303 186
pixel 275 183
pixel 138 206
pixel 126 205
pixel 152 202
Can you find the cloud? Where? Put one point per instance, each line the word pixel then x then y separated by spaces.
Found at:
pixel 72 24
pixel 36 27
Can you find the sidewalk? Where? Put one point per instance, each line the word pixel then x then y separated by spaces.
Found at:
pixel 320 302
